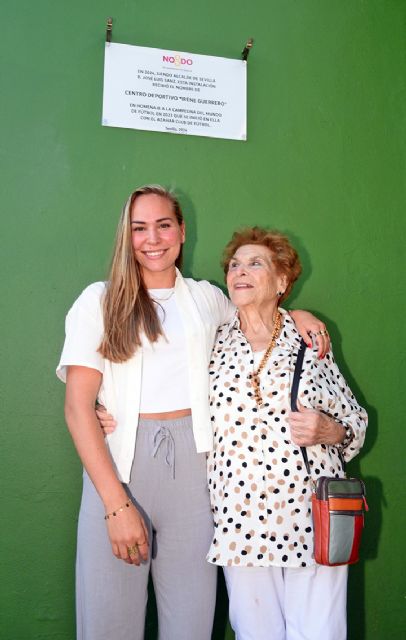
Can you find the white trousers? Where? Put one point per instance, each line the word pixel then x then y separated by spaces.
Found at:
pixel 274 603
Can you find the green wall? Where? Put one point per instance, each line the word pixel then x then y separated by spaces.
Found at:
pixel 324 161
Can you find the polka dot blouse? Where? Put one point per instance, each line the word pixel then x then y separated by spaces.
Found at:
pixel 259 488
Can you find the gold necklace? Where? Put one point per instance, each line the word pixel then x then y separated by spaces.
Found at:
pixel 255 374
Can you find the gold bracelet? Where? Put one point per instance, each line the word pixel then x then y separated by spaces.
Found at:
pixel 114 513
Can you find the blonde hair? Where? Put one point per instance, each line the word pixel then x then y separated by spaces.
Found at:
pixel 284 256
pixel 127 308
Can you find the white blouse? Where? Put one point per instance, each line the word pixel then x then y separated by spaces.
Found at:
pixel 260 491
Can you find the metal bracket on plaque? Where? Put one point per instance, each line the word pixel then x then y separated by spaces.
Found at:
pixel 244 53
pixel 109 29
pixel 248 46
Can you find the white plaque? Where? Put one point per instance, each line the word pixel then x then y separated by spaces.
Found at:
pixel 186 93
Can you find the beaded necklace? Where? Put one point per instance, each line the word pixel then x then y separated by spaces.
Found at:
pixel 255 374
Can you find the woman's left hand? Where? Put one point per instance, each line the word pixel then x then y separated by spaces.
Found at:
pixel 311 328
pixel 309 427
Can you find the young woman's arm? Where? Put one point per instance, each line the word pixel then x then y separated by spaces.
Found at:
pixel 309 327
pixel 311 330
pixel 127 529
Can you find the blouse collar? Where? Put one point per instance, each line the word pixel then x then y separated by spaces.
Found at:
pixel 288 337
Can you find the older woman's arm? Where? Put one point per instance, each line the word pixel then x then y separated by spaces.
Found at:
pixel 310 426
pixel 127 528
pixel 338 418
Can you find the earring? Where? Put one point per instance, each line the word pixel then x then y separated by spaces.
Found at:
pixel 279 294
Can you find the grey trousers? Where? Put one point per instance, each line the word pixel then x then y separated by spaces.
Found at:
pixel 168 484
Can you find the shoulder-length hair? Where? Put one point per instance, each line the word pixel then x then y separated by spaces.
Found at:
pixel 128 310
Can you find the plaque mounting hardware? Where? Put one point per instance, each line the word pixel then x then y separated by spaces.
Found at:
pixel 109 29
pixel 248 46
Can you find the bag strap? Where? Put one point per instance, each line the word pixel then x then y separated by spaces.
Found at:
pixel 294 391
pixel 293 402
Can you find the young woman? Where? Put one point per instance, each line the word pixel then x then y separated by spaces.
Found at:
pixel 140 344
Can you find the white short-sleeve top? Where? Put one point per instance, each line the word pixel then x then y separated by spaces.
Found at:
pixel 203 307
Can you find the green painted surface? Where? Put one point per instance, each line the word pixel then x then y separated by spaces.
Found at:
pixel 325 161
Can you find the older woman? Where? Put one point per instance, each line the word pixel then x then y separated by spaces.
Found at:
pixel 260 491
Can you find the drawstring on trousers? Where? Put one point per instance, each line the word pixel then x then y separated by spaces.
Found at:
pixel 163 434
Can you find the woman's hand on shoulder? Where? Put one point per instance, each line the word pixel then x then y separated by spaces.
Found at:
pixel 310 427
pixel 106 420
pixel 128 536
pixel 311 329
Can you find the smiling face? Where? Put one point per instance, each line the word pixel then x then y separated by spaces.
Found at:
pixel 252 279
pixel 157 238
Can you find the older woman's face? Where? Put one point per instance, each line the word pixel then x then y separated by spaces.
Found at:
pixel 252 278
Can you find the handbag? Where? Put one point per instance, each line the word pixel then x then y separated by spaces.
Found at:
pixel 337 503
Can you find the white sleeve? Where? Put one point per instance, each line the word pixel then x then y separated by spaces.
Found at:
pixel 224 307
pixel 83 332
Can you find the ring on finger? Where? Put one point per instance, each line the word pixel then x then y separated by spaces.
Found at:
pixel 133 550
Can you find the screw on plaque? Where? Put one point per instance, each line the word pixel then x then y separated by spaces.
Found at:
pixel 247 48
pixel 109 29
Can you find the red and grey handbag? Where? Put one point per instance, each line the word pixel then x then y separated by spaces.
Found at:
pixel 337 504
